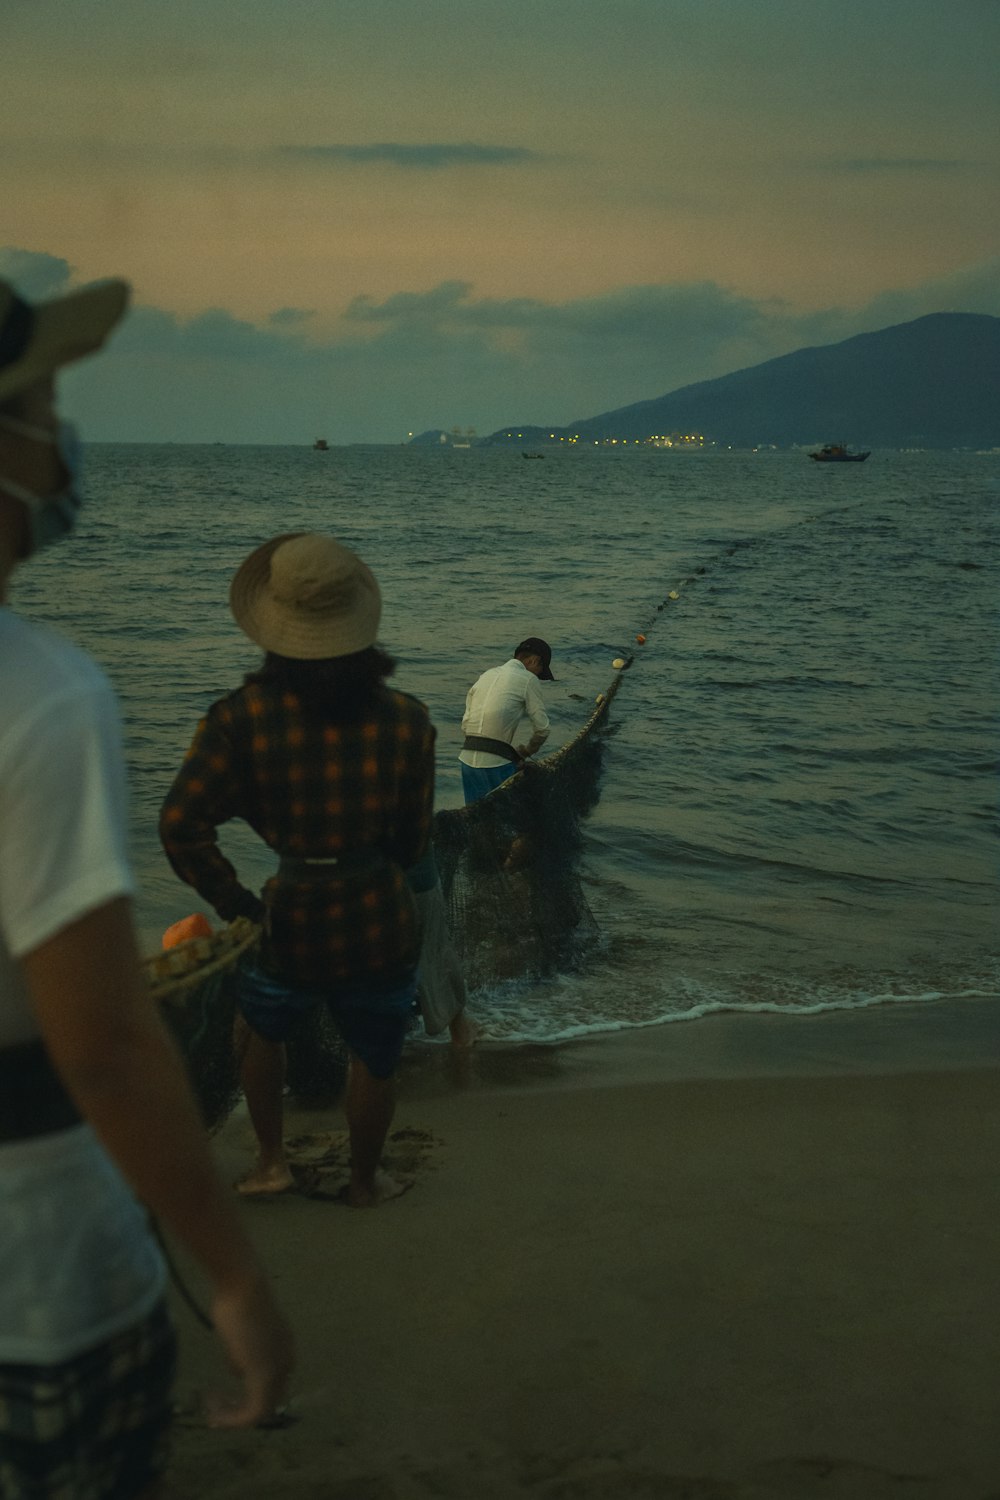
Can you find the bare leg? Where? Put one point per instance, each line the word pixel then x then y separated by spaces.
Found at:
pixel 369 1105
pixel 262 1074
pixel 464 1033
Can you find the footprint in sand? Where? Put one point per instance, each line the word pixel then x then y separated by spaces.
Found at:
pixel 319 1148
pixel 320 1160
pixel 408 1151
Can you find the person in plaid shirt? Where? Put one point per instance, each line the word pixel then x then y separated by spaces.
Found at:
pixel 335 772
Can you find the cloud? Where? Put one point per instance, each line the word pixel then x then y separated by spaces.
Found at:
pixel 973 289
pixel 447 298
pixel 37 276
pixel 434 358
pixel 291 317
pixel 213 335
pixel 192 156
pixel 642 340
pixel 427 157
pixel 635 312
pixel 902 165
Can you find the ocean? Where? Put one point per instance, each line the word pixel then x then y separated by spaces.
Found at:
pixel 798 803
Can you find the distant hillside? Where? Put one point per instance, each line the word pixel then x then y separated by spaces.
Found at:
pixel 932 383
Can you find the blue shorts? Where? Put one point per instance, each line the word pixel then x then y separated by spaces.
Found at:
pixel 478 780
pixel 372 1015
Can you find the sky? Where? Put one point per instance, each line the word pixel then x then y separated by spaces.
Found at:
pixel 361 219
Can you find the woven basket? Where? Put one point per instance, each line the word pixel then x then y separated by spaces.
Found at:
pixel 171 975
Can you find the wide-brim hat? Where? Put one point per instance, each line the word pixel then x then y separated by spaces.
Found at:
pixel 306 596
pixel 38 338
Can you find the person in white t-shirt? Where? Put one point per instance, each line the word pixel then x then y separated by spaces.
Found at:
pixel 495 707
pixel 91 1085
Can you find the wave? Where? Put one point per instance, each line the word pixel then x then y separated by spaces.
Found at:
pixel 593 1005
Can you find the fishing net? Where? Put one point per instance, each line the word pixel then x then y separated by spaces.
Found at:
pixel 510 865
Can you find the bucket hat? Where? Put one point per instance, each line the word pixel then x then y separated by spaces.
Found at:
pixel 306 596
pixel 38 338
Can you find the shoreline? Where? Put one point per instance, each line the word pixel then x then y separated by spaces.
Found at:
pixel 904 1037
pixel 619 1276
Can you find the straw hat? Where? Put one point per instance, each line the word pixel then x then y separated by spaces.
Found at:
pixel 305 596
pixel 37 338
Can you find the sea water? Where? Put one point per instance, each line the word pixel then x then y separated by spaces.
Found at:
pixel 798 804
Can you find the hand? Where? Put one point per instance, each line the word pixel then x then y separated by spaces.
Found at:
pixel 258 1345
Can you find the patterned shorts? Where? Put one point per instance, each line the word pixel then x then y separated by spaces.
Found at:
pixel 95 1427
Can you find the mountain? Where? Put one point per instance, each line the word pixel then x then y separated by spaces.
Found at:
pixel 932 383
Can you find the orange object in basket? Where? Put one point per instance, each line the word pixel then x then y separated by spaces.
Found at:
pixel 195 926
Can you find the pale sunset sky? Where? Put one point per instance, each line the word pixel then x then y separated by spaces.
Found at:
pixel 364 218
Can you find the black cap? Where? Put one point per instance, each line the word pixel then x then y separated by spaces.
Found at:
pixel 535 646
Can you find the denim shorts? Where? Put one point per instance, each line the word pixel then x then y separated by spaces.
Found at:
pixel 372 1015
pixel 96 1426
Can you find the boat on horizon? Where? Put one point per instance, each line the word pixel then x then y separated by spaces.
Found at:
pixel 838 453
pixel 321 444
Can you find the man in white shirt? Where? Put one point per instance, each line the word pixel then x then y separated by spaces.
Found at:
pixel 497 704
pixel 94 1104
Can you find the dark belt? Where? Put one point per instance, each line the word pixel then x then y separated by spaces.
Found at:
pixel 32 1098
pixel 492 747
pixel 331 867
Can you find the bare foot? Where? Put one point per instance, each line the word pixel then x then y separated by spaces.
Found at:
pixel 464 1033
pixel 266 1182
pixel 384 1187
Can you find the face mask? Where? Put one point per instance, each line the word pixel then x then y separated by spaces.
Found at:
pixel 49 516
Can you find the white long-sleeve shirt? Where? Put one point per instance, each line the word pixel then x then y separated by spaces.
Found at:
pixel 496 704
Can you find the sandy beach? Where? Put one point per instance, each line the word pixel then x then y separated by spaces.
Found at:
pixel 741 1258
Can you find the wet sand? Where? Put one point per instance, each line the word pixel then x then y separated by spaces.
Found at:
pixel 738 1259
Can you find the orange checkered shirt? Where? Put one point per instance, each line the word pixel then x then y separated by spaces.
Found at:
pixel 312 790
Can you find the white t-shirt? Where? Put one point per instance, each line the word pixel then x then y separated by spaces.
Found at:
pixel 77 1261
pixel 495 706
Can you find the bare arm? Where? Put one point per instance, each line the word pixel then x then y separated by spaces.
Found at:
pixel 202 797
pixel 535 743
pixel 116 1058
